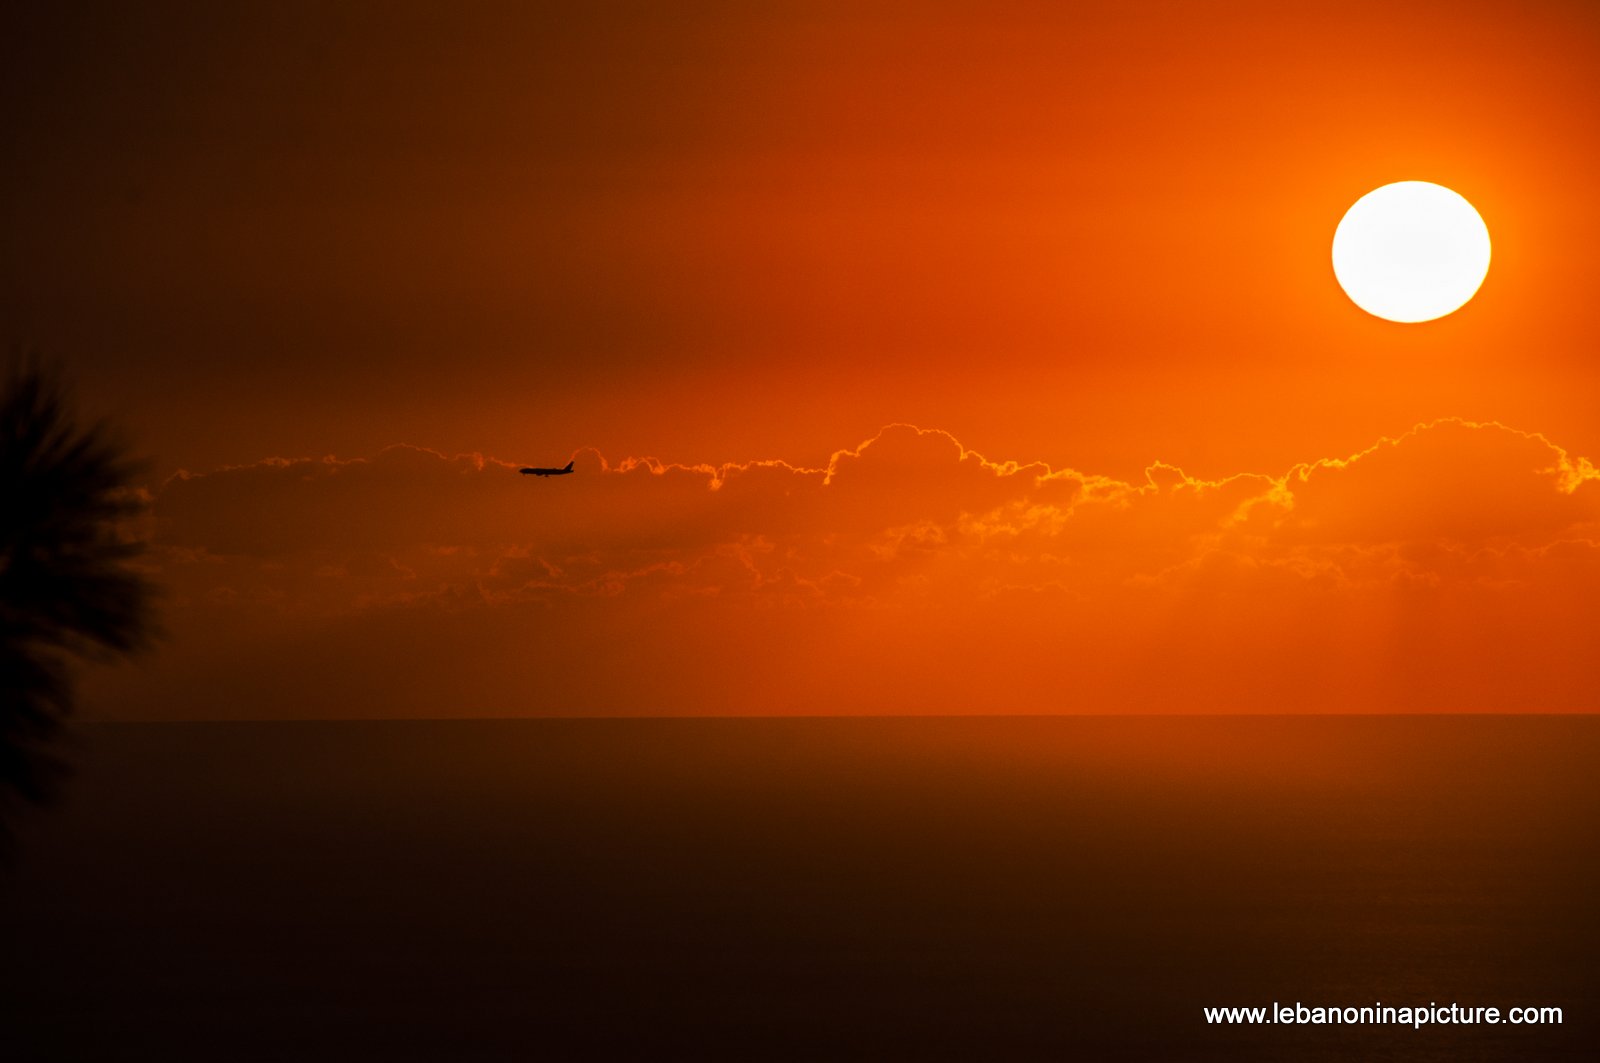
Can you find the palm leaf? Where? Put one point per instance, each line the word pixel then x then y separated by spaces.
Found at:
pixel 66 591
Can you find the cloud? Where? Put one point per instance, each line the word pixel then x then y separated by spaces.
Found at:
pixel 1443 568
pixel 1449 481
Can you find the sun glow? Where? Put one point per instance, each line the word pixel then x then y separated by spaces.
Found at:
pixel 1411 251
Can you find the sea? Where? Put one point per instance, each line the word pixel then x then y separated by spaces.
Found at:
pixel 810 888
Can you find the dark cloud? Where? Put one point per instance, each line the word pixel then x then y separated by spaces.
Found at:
pixel 908 572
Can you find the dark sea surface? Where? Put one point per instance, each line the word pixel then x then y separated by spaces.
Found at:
pixel 806 889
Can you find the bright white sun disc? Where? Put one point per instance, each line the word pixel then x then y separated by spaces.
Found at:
pixel 1411 251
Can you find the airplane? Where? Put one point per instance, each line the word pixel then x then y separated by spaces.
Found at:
pixel 548 472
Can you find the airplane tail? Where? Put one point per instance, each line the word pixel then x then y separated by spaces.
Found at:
pixel 570 464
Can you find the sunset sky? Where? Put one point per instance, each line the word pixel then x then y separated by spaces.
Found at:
pixel 914 357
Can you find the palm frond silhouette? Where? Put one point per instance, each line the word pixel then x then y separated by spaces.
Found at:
pixel 66 592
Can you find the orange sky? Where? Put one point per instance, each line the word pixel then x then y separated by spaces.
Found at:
pixel 1077 238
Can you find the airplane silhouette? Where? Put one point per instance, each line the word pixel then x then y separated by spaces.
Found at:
pixel 547 472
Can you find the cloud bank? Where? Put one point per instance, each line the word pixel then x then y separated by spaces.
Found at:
pixel 1450 568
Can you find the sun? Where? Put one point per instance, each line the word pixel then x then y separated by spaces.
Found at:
pixel 1411 251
